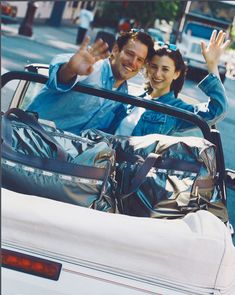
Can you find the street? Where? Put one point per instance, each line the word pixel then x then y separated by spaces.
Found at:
pixel 18 52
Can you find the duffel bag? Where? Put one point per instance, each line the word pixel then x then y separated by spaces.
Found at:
pixel 164 176
pixel 44 161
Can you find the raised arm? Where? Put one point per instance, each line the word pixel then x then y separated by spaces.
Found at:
pixel 81 63
pixel 213 51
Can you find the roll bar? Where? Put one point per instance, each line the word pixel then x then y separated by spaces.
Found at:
pixel 116 96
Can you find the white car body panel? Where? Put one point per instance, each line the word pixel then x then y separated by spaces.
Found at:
pixel 115 254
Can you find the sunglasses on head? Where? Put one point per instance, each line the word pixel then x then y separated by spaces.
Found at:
pixel 136 30
pixel 172 47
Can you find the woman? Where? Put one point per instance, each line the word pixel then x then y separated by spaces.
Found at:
pixel 166 74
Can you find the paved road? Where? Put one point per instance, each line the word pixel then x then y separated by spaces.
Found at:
pixel 17 52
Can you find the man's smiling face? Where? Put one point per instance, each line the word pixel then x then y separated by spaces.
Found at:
pixel 127 62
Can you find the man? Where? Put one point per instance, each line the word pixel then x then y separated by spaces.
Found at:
pixel 74 111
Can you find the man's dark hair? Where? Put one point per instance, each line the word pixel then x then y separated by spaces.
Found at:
pixel 143 37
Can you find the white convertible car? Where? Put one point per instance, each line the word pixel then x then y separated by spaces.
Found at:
pixel 51 247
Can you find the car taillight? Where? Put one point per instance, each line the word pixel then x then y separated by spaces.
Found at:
pixel 31 264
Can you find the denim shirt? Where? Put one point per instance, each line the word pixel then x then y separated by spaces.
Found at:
pixel 74 111
pixel 213 110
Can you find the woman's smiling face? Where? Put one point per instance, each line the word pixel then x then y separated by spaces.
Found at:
pixel 161 72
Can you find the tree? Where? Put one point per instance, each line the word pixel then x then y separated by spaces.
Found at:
pixel 143 12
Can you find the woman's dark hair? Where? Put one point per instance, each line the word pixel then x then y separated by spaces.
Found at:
pixel 139 35
pixel 180 66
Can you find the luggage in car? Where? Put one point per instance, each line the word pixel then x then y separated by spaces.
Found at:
pixel 44 161
pixel 163 176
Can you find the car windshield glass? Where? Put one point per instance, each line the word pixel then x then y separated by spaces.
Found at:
pixel 197 30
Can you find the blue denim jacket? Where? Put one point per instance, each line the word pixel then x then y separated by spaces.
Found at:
pixel 74 111
pixel 214 109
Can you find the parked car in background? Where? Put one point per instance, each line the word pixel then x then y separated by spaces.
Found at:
pixel 8 9
pixel 198 21
pixel 125 24
pixel 8 12
pixel 190 46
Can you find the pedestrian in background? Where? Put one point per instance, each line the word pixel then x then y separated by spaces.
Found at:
pixel 85 17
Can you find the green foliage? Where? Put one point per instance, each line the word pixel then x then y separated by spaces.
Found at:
pixel 143 12
pixel 232 35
